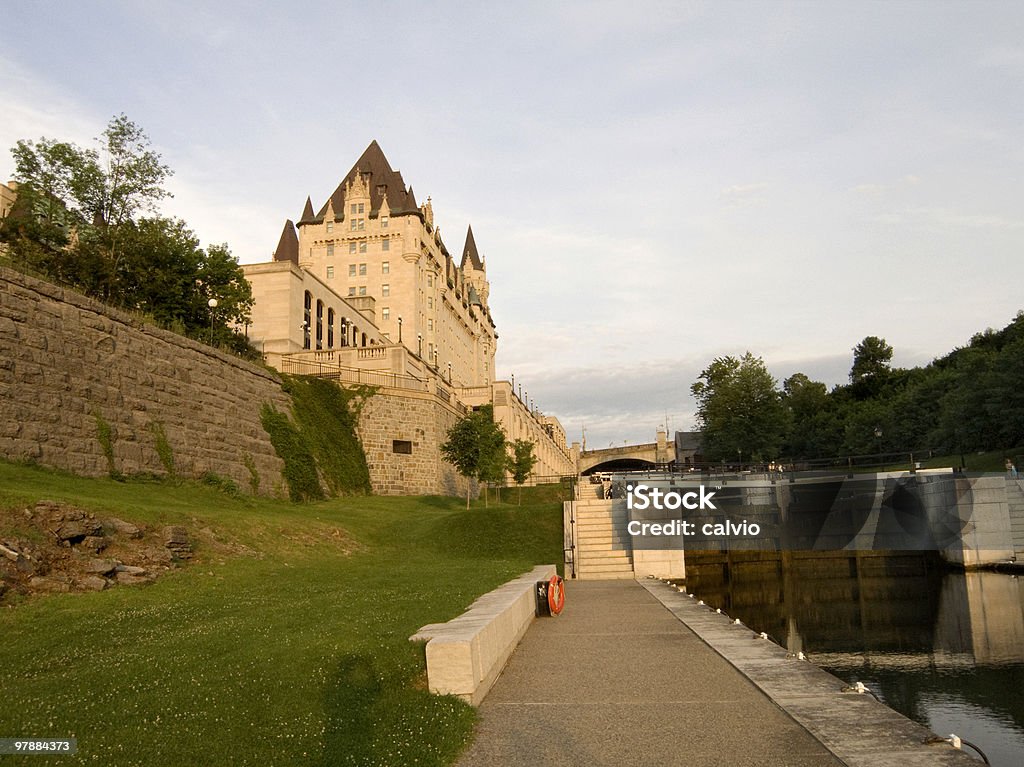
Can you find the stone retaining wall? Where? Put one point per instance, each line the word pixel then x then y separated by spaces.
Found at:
pixel 395 416
pixel 69 364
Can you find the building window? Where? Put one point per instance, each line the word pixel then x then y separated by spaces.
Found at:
pixel 358 224
pixel 330 249
pixel 362 270
pixel 351 247
pixel 362 247
pixel 430 326
pixel 383 222
pixel 307 318
pixel 385 290
pixel 385 245
pixel 351 291
pixel 430 302
pixel 351 270
pixel 356 208
pixel 385 313
pixel 430 280
pixel 330 272
pixel 319 324
pixel 362 290
pixel 330 227
pixel 385 267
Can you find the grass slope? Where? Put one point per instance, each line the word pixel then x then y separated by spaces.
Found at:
pixel 298 655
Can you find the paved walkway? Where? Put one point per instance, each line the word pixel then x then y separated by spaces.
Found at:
pixel 618 680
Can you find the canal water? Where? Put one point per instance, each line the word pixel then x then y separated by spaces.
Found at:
pixel 945 649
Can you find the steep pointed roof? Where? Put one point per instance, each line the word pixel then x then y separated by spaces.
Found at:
pixel 383 182
pixel 307 211
pixel 288 245
pixel 470 253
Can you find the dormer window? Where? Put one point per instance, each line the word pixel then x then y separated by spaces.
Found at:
pixel 382 189
pixel 356 207
pixel 383 222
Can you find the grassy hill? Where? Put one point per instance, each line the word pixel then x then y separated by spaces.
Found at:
pixel 283 642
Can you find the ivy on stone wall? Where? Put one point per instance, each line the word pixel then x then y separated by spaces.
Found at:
pixel 163 447
pixel 105 435
pixel 299 466
pixel 319 447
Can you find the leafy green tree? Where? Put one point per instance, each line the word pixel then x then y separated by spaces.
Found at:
pixel 476 447
pixel 79 220
pixel 96 192
pixel 521 463
pixel 739 409
pixel 870 371
pixel 813 428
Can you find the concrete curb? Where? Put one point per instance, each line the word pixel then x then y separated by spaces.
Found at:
pixel 857 729
pixel 466 654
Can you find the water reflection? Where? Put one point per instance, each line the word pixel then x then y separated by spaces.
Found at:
pixel 944 648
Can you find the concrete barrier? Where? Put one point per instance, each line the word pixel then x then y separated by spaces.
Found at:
pixel 466 654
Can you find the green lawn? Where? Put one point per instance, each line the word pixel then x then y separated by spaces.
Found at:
pixel 296 653
pixel 993 460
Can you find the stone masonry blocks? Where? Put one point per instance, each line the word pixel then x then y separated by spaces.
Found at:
pixel 69 361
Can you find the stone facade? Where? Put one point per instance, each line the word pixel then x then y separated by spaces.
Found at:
pixel 401 432
pixel 8 193
pixel 280 323
pixel 373 245
pixel 67 363
pixel 554 459
pixel 365 291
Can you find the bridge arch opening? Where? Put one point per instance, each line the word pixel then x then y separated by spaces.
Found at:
pixel 620 464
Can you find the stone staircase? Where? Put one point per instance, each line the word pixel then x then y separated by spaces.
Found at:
pixel 603 550
pixel 1015 504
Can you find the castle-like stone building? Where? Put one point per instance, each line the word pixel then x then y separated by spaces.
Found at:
pixel 365 290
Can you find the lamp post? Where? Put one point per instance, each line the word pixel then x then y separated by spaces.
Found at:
pixel 344 331
pixel 212 303
pixel 435 359
pixel 878 441
pixel 399 328
pixel 449 372
pixel 419 345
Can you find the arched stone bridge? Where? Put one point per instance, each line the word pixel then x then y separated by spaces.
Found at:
pixel 626 457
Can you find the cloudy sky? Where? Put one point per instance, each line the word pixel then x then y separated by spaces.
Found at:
pixel 652 184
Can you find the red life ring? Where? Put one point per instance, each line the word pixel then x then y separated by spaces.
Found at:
pixel 556 595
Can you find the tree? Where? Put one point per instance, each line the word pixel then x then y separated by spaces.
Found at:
pixel 739 409
pixel 96 191
pixel 870 371
pixel 813 430
pixel 475 446
pixel 521 463
pixel 79 220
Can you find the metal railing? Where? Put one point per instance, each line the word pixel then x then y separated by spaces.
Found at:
pixel 333 372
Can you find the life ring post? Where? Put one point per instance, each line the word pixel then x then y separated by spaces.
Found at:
pixel 550 596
